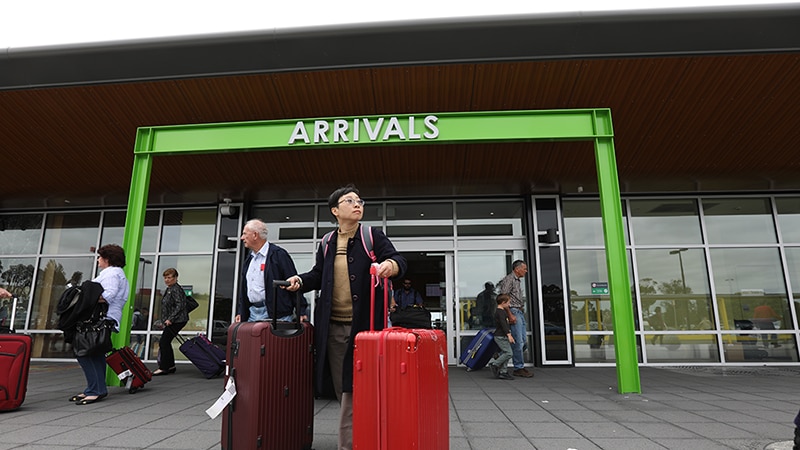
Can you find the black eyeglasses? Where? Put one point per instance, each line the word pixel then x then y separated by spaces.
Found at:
pixel 351 201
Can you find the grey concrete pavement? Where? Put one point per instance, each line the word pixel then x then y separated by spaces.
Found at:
pixel 560 408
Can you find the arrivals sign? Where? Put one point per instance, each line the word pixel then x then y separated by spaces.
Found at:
pixel 365 129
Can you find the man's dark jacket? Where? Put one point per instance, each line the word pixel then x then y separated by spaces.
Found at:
pixel 278 266
pixel 321 278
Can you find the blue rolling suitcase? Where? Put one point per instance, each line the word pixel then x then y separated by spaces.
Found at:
pixel 480 350
pixel 206 356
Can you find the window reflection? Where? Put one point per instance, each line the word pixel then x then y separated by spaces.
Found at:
pixel 288 222
pixel 583 224
pixel 744 278
pixel 739 221
pixel 114 229
pixel 20 233
pixel 793 263
pixel 71 233
pixel 789 218
pixel 189 230
pixel 51 280
pixel 673 222
pixel 676 282
pixel 419 219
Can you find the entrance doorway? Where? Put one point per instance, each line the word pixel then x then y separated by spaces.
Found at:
pixel 431 274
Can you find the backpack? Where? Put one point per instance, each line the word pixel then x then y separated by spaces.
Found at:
pixel 366 240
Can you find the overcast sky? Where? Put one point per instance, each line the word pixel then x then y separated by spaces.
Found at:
pixel 33 23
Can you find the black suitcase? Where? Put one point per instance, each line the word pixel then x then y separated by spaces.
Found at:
pixel 206 356
pixel 271 364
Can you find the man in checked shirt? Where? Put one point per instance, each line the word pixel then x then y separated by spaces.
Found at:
pixel 511 285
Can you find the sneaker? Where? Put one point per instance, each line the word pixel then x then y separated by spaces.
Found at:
pixel 523 373
pixel 505 376
pixel 495 370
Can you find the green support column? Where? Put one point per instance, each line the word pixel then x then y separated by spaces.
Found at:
pixel 618 281
pixel 132 240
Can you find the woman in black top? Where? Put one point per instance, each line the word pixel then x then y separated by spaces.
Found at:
pixel 174 316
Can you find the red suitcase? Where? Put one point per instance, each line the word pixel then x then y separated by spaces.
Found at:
pixel 400 390
pixel 130 369
pixel 15 364
pixel 271 364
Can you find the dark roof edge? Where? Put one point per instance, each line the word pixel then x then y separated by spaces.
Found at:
pixel 575 35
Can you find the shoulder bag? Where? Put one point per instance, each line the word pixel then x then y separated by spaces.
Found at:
pixel 93 336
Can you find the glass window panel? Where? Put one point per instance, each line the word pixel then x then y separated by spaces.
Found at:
pixel 189 230
pixel 419 219
pixel 490 218
pixel 793 266
pixel 16 275
pixel 746 278
pixel 475 270
pixel 20 234
pixel 51 345
pixel 747 347
pixel 288 222
pixel 673 222
pixel 789 218
pixel 672 348
pixel 676 282
pixel 194 272
pixel 51 280
pixel 114 229
pixel 590 312
pixel 739 221
pixel 552 304
pixel 583 224
pixel 71 233
pixel 496 229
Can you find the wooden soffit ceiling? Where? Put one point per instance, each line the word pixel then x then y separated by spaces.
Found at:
pixel 706 122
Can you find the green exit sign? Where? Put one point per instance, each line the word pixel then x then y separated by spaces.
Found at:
pixel 599 288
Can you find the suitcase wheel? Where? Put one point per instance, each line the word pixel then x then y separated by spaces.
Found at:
pixel 132 390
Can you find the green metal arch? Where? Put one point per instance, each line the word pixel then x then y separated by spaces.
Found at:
pixel 405 129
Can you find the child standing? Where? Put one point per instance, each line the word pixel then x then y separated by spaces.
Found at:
pixel 503 338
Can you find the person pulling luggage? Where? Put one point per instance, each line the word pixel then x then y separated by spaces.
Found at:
pixel 343 310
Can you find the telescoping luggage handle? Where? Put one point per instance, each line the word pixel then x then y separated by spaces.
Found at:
pixel 373 272
pixel 275 284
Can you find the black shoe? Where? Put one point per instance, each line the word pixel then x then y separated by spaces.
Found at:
pixel 172 369
pixel 77 397
pixel 505 376
pixel 89 401
pixel 495 370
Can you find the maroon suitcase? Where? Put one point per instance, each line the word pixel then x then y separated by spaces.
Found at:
pixel 15 364
pixel 400 390
pixel 271 364
pixel 130 369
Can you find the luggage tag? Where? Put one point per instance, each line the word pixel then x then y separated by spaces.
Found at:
pixel 227 396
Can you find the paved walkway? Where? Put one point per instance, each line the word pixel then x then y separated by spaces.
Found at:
pixel 560 408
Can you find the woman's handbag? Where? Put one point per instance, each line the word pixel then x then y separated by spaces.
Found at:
pixel 411 317
pixel 191 304
pixel 93 336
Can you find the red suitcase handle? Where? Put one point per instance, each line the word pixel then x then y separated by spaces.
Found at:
pixel 373 272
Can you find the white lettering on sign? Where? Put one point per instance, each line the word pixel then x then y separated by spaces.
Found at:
pixel 338 129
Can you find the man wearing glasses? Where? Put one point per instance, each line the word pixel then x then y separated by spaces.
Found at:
pixel 341 273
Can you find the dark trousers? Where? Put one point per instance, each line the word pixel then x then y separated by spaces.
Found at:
pixel 166 359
